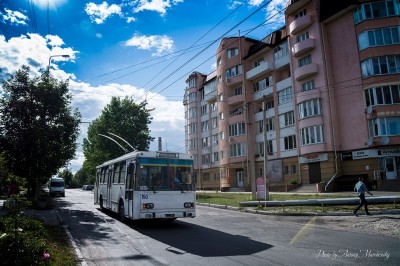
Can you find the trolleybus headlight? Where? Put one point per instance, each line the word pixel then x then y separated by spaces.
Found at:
pixel 188 205
pixel 148 206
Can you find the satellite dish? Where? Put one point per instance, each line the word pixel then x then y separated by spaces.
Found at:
pixel 370 141
pixel 370 110
pixel 384 140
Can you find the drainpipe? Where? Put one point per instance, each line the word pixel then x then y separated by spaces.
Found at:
pixel 330 107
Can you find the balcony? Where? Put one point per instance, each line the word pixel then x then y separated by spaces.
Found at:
pixel 295 5
pixel 300 24
pixel 281 62
pixel 302 47
pixel 305 71
pixel 259 94
pixel 283 84
pixel 233 81
pixel 258 71
pixel 232 100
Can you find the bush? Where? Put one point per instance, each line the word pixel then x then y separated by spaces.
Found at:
pixel 22 241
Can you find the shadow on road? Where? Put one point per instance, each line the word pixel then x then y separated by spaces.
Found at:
pixel 185 237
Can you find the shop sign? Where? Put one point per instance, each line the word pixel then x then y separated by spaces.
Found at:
pixel 389 152
pixel 314 157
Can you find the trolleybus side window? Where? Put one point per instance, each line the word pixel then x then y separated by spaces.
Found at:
pixel 116 173
pixel 122 172
pixel 129 179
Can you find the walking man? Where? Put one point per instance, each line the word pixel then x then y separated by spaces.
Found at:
pixel 361 188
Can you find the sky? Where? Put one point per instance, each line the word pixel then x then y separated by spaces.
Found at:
pixel 142 49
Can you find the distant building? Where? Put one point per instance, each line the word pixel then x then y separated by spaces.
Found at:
pixel 323 92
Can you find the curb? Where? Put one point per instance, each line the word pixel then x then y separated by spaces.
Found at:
pixel 261 212
pixel 71 240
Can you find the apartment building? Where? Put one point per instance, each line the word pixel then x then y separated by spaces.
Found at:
pixel 310 103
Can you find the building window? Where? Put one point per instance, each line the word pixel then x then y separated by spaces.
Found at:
pixel 222 135
pixel 206 177
pixel 382 95
pixel 378 37
pixel 204 109
pixel 214 106
pixel 210 86
pixel 382 65
pixel 192 112
pixel 379 9
pixel 309 108
pixel 238 149
pixel 205 158
pixel 311 135
pixel 302 37
pixel 233 71
pixel 215 158
pixel 192 82
pixel 290 142
pixel 306 60
pixel 270 125
pixel 192 127
pixel 220 98
pixel 309 85
pixel 232 52
pixel 204 126
pixel 285 169
pixel 205 142
pixel 222 155
pixel 285 95
pixel 262 84
pixel 193 144
pixel 218 61
pixel 192 97
pixel 237 129
pixel 258 62
pixel 214 122
pixel 281 50
pixel 287 119
pixel 215 139
pixel 301 13
pixel 237 91
pixel 293 169
pixel 221 116
pixel 384 126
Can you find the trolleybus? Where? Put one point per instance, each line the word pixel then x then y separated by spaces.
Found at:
pixel 147 185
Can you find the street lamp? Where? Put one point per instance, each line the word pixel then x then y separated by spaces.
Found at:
pixel 57 55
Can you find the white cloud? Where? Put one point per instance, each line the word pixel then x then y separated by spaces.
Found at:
pixel 159 6
pixel 14 17
pixel 34 50
pixel 161 43
pixel 256 2
pixel 99 13
pixel 272 12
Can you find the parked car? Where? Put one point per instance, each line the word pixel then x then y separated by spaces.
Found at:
pixel 87 187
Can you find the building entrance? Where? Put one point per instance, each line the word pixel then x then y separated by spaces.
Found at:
pixel 314 172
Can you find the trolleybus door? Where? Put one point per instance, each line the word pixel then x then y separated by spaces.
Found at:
pixel 129 187
pixel 109 184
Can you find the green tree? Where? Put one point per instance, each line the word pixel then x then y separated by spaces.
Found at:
pixel 67 176
pixel 80 178
pixel 124 118
pixel 38 126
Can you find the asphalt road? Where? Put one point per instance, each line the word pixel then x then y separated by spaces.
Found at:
pixel 223 237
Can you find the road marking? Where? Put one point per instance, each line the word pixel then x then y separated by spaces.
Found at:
pixel 305 229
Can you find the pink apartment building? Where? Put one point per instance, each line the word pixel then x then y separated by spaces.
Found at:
pixel 315 102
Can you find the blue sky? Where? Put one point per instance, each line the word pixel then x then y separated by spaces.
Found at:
pixel 144 49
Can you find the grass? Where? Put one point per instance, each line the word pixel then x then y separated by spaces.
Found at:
pixel 61 250
pixel 233 199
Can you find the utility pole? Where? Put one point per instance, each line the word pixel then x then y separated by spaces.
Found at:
pixel 265 145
